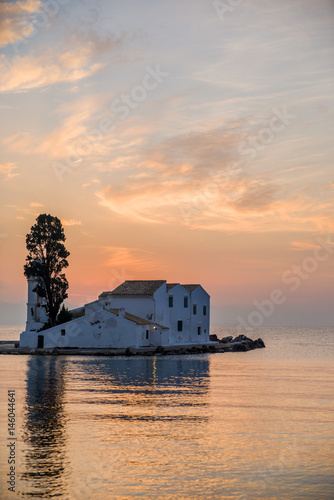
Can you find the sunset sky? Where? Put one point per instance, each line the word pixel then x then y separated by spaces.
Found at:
pixel 188 140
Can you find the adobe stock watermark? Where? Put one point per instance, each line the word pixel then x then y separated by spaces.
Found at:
pixel 117 277
pixel 293 278
pixel 223 8
pixel 120 108
pixel 220 182
pixel 49 9
pixel 265 136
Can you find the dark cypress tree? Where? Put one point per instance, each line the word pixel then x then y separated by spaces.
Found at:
pixel 45 262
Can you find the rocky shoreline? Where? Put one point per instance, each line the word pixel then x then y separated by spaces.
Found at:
pixel 226 344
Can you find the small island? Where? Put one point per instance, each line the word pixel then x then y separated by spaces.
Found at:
pixel 138 317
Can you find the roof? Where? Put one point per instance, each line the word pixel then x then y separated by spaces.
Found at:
pixel 137 319
pixel 171 285
pixel 139 287
pixel 190 288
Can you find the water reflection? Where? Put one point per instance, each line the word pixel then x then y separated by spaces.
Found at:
pixel 134 388
pixel 46 467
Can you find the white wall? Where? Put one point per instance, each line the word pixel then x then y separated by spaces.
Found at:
pixel 179 313
pixel 161 314
pixel 200 298
pixel 36 312
pixel 97 329
pixel 101 328
pixel 141 306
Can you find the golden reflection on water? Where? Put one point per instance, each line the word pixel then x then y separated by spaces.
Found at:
pixel 202 426
pixel 44 431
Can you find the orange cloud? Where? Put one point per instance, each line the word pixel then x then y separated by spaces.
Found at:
pixel 83 59
pixel 71 222
pixel 36 204
pixel 14 20
pixel 202 186
pixel 303 245
pixel 8 170
pixel 134 259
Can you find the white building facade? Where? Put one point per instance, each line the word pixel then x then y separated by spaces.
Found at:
pixel 135 314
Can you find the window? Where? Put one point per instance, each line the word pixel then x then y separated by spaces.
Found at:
pixel 185 302
pixel 170 301
pixel 199 330
pixel 179 326
pixel 62 331
pixel 204 310
pixel 194 309
pixel 147 332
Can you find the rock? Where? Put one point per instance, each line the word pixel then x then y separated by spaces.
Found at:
pixel 212 348
pixel 259 343
pixel 226 340
pixel 195 350
pixel 213 338
pixel 241 338
pixel 239 346
pixel 130 351
pixel 205 348
pixel 160 350
pixel 220 348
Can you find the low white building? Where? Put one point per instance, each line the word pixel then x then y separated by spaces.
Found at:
pixel 135 314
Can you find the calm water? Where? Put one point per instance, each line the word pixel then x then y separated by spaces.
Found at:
pixel 254 425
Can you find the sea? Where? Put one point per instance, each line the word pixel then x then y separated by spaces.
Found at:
pixel 244 426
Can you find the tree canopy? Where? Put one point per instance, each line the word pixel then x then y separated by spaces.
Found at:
pixel 45 262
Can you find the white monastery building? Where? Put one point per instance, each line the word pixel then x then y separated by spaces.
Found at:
pixel 135 314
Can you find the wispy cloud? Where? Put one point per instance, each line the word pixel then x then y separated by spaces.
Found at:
pixel 14 20
pixel 200 187
pixel 80 57
pixel 8 170
pixel 133 260
pixel 71 222
pixel 303 245
pixel 36 204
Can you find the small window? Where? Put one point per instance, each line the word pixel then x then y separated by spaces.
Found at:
pixel 199 330
pixel 194 309
pixel 147 332
pixel 170 301
pixel 62 331
pixel 185 302
pixel 204 310
pixel 179 326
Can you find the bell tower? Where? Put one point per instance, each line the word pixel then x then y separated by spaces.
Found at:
pixel 36 308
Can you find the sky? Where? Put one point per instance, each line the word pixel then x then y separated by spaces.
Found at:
pixel 186 140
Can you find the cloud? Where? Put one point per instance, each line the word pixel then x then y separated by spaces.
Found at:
pixel 257 197
pixel 8 170
pixel 36 204
pixel 64 140
pixel 202 186
pixel 71 222
pixel 303 245
pixel 81 57
pixel 130 261
pixel 15 20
